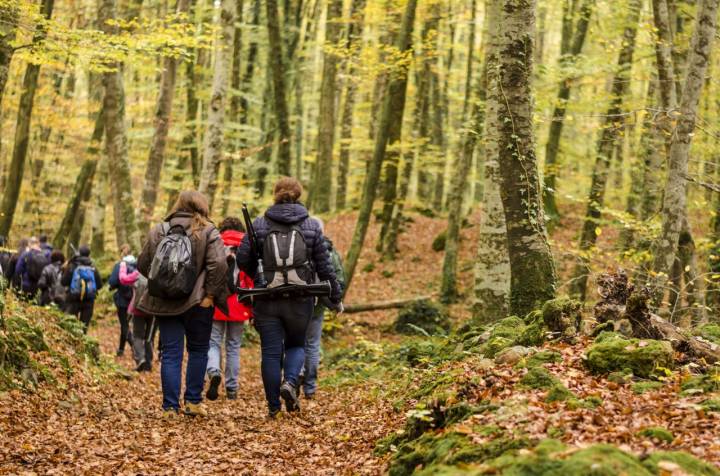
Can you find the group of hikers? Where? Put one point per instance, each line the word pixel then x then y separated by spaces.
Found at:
pixel 199 284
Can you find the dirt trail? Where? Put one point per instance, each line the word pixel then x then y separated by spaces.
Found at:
pixel 114 427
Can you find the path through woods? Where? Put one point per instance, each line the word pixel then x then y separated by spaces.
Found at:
pixel 115 428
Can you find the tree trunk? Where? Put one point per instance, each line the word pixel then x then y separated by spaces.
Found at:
pixel 674 202
pixel 277 76
pixel 8 24
pixel 97 217
pixel 322 182
pixel 612 124
pixel 213 143
pixel 392 113
pixel 552 147
pixel 116 141
pixel 82 182
pixel 354 36
pixel 156 157
pixel 470 60
pixel 531 264
pixel 22 131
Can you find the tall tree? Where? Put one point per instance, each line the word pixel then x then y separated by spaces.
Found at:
pixel 612 124
pixel 213 143
pixel 532 270
pixel 567 59
pixel 22 129
pixel 116 139
pixel 322 181
pixel 277 77
pixel 354 35
pixel 391 114
pixel 8 25
pixel 674 210
pixel 163 113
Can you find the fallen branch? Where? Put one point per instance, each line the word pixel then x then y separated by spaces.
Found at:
pixel 377 306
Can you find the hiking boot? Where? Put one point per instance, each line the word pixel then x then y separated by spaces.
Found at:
pixel 119 353
pixel 212 393
pixel 143 366
pixel 310 396
pixel 231 394
pixel 170 414
pixel 195 409
pixel 273 413
pixel 289 394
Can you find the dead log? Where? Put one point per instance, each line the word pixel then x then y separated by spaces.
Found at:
pixel 377 306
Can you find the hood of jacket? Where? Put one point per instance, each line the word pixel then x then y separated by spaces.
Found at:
pixel 232 237
pixel 82 261
pixel 288 213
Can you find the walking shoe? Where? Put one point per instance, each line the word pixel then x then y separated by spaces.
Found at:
pixel 195 409
pixel 212 393
pixel 231 394
pixel 289 394
pixel 119 353
pixel 273 413
pixel 143 366
pixel 170 414
pixel 310 396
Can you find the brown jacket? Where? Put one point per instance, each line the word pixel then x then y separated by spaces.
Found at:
pixel 209 254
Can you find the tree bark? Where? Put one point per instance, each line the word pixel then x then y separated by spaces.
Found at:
pixel 8 24
pixel 277 76
pixel 322 182
pixel 674 202
pixel 116 141
pixel 392 113
pixel 532 269
pixel 355 29
pixel 567 59
pixel 612 124
pixel 22 131
pixel 214 136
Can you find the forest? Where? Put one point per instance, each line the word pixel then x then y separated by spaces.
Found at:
pixel 525 195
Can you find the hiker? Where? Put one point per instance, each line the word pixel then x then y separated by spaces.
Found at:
pixel 50 285
pixel 282 323
pixel 29 267
pixel 314 331
pixel 12 277
pixel 123 294
pixel 143 325
pixel 228 328
pixel 188 278
pixel 5 256
pixel 83 281
pixel 45 246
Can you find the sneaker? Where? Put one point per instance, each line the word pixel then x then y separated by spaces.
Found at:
pixel 310 396
pixel 212 393
pixel 273 413
pixel 143 366
pixel 119 353
pixel 231 394
pixel 289 394
pixel 170 414
pixel 195 409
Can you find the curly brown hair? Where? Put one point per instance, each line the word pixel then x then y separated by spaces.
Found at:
pixel 231 223
pixel 287 190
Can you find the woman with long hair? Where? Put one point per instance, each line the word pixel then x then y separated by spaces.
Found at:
pixel 185 316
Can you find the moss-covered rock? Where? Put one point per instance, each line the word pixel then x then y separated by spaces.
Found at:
pixel 539 378
pixel 710 332
pixel 438 243
pixel 534 332
pixel 611 352
pixel 663 462
pixel 544 357
pixel 562 316
pixel 422 317
pixel 657 433
pixel 646 386
pixel 705 383
pixel 559 393
pixel 512 355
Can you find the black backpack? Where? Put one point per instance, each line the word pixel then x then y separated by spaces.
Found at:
pixel 35 262
pixel 285 256
pixel 172 272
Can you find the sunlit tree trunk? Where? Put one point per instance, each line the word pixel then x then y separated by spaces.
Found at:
pixel 574 44
pixel 609 132
pixel 675 199
pixel 392 113
pixel 532 269
pixel 277 77
pixel 215 134
pixel 22 132
pixel 116 141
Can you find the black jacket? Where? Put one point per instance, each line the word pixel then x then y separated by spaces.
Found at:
pixel 292 214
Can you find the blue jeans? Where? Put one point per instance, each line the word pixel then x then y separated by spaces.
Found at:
pixel 231 333
pixel 312 352
pixel 282 325
pixel 195 325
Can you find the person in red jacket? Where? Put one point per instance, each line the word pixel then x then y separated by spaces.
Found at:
pixel 228 327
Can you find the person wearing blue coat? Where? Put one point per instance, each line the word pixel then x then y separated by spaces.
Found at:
pixel 122 297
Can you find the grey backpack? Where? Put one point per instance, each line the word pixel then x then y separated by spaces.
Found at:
pixel 285 256
pixel 172 272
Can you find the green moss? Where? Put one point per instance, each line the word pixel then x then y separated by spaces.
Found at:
pixel 539 378
pixel 544 357
pixel 534 332
pixel 612 353
pixel 657 433
pixel 505 333
pixel 705 383
pixel 369 268
pixel 493 346
pixel 438 243
pixel 620 377
pixel 689 464
pixel 387 274
pixel 562 316
pixel 710 332
pixel 646 386
pixel 559 393
pixel 711 405
pixel 589 403
pixel 422 317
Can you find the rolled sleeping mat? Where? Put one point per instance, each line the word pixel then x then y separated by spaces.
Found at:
pixel 292 290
